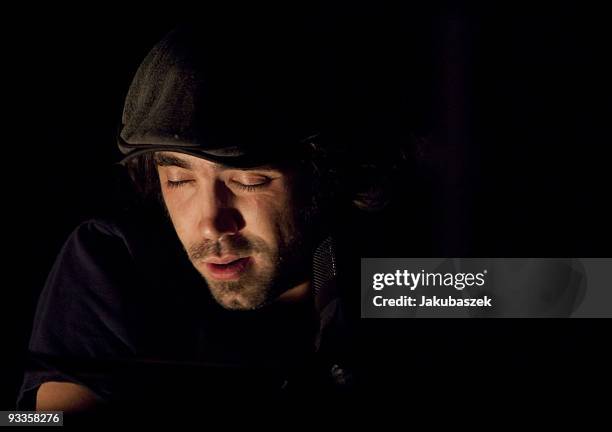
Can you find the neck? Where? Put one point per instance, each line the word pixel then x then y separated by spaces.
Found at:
pixel 297 294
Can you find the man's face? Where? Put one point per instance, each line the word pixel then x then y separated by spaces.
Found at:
pixel 241 229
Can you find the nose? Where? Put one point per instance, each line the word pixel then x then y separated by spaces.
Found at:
pixel 219 216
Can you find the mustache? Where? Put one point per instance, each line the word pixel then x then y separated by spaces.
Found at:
pixel 234 245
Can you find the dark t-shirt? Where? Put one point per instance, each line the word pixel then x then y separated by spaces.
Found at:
pixel 124 313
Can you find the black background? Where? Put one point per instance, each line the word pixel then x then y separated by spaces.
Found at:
pixel 512 104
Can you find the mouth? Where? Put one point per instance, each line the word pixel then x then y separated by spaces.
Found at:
pixel 227 267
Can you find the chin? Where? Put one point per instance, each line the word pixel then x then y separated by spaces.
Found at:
pixel 247 293
pixel 238 302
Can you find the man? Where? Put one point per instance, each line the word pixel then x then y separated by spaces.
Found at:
pixel 226 138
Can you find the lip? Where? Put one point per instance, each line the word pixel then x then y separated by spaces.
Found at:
pixel 222 260
pixel 229 269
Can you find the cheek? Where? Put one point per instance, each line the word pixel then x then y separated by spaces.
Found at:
pixel 183 215
pixel 268 217
pixel 259 215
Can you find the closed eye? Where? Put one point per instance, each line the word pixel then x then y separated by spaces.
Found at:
pixel 250 187
pixel 177 183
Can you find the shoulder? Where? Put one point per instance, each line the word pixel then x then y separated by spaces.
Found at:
pixel 101 255
pixel 100 273
pixel 124 226
pixel 99 230
pixel 134 235
pixel 91 243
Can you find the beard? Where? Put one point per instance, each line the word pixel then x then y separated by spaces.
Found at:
pixel 276 269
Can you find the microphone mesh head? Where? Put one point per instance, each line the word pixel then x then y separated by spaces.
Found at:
pixel 324 264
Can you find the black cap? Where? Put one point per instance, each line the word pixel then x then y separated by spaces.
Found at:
pixel 240 100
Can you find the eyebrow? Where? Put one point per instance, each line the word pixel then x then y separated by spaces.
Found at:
pixel 163 159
